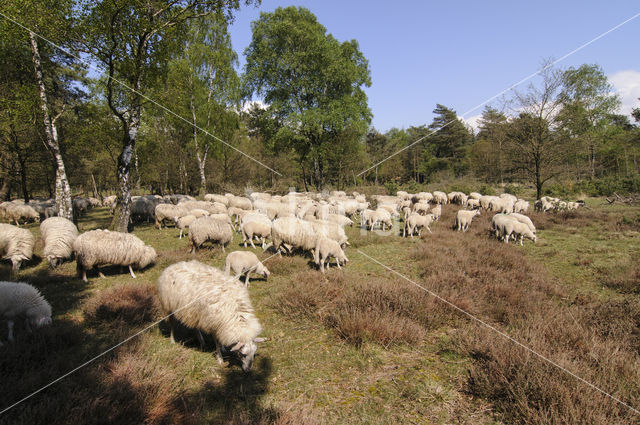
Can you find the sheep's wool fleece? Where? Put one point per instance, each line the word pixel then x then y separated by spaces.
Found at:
pixel 16 242
pixel 204 298
pixel 98 247
pixel 58 234
pixel 18 298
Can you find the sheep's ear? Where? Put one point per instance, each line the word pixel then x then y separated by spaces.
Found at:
pixel 237 346
pixel 259 339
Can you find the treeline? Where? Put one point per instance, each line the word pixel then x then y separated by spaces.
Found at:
pixel 147 97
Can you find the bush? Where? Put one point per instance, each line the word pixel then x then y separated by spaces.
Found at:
pixel 392 187
pixel 513 189
pixel 487 190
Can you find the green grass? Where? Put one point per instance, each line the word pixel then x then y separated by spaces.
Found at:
pixel 306 371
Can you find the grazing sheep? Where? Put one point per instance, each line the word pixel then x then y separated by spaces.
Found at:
pixel 184 222
pixel 294 232
pixel 436 212
pixel 327 248
pixel 255 226
pixel 21 300
pixel 524 219
pixel 16 244
pixel 473 204
pixel 211 228
pixel 241 202
pixel 17 212
pixel 58 234
pixel 330 230
pixel 440 197
pixel 421 207
pixel 475 195
pixel 339 219
pixel 198 212
pixel 100 247
pixel 169 212
pixel 382 216
pixel 464 218
pixel 109 201
pixel 517 229
pixel 204 298
pixel 521 206
pixel 244 262
pixel 418 222
pixel 212 197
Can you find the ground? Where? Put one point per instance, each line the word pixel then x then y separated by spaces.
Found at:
pixel 360 345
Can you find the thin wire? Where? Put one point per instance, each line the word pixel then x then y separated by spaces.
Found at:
pixel 510 338
pixel 89 65
pixel 511 87
pixel 115 346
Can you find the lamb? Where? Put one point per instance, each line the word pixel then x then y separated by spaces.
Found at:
pixel 100 247
pixel 244 262
pixel 184 222
pixel 418 222
pixel 204 298
pixel 257 226
pixel 16 244
pixel 19 299
pixel 294 232
pixel 464 218
pixel 212 228
pixel 17 212
pixel 436 212
pixel 326 248
pixel 58 234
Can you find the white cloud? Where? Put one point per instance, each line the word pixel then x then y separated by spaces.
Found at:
pixel 472 122
pixel 627 85
pixel 247 105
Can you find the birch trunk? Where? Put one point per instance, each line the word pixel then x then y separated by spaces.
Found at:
pixel 64 206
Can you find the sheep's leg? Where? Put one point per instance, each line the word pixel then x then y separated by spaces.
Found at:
pixel 200 338
pixel 84 275
pixel 429 229
pixel 171 321
pixel 100 274
pixel 180 234
pixel 338 263
pixel 10 326
pixel 219 353
pixel 246 278
pixel 131 271
pixel 262 242
pixel 252 245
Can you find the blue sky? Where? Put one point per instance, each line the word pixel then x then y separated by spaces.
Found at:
pixel 462 53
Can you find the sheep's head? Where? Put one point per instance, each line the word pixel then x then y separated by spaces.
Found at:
pixel 39 315
pixel 246 352
pixel 148 257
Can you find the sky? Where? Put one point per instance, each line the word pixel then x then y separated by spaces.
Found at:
pixel 461 54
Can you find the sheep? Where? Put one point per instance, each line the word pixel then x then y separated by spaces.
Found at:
pixel 109 201
pixel 19 299
pixel 204 298
pixel 473 204
pixel 524 219
pixel 475 195
pixel 381 215
pixel 143 209
pixel 80 206
pixel 241 202
pixel 340 220
pixel 366 216
pixel 294 232
pixel 16 244
pixel 17 212
pixel 521 206
pixel 417 221
pixel 516 228
pixel 198 212
pixel 168 212
pixel 440 197
pixel 184 222
pixel 436 212
pixel 100 247
pixel 244 262
pixel 58 234
pixel 498 223
pixel 212 228
pixel 212 197
pixel 421 207
pixel 330 230
pixel 464 218
pixel 259 226
pixel 485 200
pixel 326 248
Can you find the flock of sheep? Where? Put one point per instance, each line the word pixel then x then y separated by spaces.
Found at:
pixel 214 301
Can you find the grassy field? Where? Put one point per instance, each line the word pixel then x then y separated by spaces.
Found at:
pixel 361 345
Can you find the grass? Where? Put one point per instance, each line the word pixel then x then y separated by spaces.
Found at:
pixel 359 345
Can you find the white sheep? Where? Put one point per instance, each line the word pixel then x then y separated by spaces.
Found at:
pixel 517 229
pixel 255 225
pixel 212 197
pixel 100 247
pixel 206 299
pixel 21 300
pixel 473 204
pixel 292 232
pixel 524 219
pixel 464 219
pixel 440 197
pixel 184 222
pixel 330 230
pixel 58 234
pixel 199 212
pixel 17 212
pixel 418 222
pixel 213 228
pixel 16 244
pixel 169 212
pixel 244 262
pixel 421 207
pixel 327 248
pixel 436 212
pixel 339 219
pixel 381 215
pixel 521 206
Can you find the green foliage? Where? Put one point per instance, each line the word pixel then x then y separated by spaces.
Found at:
pixel 312 82
pixel 487 190
pixel 514 189
pixel 392 187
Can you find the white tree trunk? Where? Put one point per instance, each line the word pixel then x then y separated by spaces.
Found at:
pixel 64 206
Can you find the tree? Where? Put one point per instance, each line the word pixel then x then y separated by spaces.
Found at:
pixel 133 41
pixel 446 147
pixel 312 82
pixel 587 102
pixel 487 151
pixel 532 144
